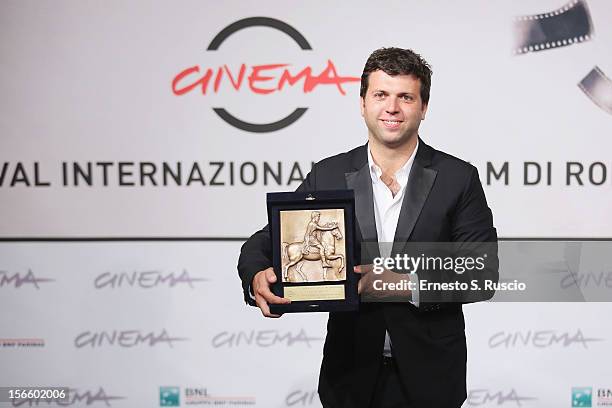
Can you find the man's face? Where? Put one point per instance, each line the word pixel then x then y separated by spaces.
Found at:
pixel 392 108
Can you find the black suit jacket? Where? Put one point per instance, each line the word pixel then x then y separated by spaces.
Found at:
pixel 444 202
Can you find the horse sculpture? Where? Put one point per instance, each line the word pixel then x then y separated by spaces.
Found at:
pixel 293 253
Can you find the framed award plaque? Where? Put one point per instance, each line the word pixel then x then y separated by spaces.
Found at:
pixel 312 250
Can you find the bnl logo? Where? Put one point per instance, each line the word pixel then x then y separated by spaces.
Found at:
pixel 582 397
pixel 169 396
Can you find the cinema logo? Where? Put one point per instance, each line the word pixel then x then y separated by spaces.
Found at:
pixel 172 397
pixel 17 280
pixel 145 279
pixel 263 338
pixel 487 397
pixel 258 79
pixel 76 397
pixel 540 339
pixel 125 339
pixel 302 398
pixel 22 343
pixel 588 279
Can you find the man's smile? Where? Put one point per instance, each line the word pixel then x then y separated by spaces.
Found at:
pixel 391 123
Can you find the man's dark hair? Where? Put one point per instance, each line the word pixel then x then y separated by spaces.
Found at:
pixel 398 61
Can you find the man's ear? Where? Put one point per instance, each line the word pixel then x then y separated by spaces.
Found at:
pixel 362 105
pixel 424 111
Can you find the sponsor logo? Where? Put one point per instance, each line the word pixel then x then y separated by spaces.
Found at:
pixel 171 397
pixel 263 79
pixel 144 279
pixel 125 339
pixel 17 280
pixel 483 396
pixel 582 396
pixel 604 397
pixel 76 397
pixel 540 339
pixel 262 338
pixel 22 343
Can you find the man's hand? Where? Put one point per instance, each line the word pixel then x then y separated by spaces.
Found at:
pixel 263 294
pixel 380 292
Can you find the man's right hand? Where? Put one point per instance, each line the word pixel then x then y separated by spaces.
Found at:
pixel 263 294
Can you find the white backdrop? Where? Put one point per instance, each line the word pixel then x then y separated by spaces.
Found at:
pixel 90 82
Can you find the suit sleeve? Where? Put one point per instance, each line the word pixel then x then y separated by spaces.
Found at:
pixel 256 252
pixel 472 233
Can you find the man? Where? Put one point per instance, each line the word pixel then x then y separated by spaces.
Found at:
pixel 408 354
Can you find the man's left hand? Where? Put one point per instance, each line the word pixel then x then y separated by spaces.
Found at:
pixel 383 286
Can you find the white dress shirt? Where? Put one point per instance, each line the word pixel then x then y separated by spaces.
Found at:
pixel 387 208
pixel 386 214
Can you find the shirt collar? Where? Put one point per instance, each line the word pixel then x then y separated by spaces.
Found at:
pixel 401 175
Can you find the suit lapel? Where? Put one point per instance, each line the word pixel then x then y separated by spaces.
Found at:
pixel 420 182
pixel 361 183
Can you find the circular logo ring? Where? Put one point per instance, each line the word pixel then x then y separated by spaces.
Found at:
pixel 259 22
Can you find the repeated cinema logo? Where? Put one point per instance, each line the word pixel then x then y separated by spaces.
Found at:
pixel 125 339
pixel 586 279
pixel 146 279
pixel 302 398
pixel 263 79
pixel 541 339
pixel 21 279
pixel 483 397
pixel 262 338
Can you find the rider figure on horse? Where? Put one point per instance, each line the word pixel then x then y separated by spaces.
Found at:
pixel 312 241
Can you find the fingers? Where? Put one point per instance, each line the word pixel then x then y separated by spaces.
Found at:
pixel 263 306
pixel 263 294
pixel 363 269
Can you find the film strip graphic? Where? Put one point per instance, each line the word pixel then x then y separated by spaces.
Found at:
pixel 598 87
pixel 567 25
pixel 570 24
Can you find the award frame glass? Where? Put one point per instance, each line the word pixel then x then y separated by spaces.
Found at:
pixel 313 238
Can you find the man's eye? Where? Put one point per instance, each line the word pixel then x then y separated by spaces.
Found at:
pixel 378 95
pixel 408 98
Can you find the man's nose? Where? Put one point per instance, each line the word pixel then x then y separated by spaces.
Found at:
pixel 392 107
